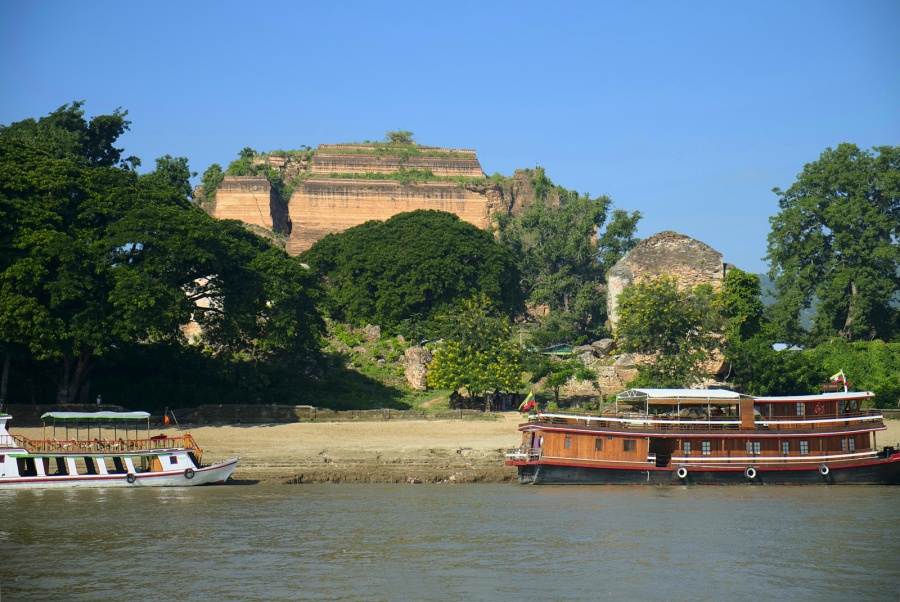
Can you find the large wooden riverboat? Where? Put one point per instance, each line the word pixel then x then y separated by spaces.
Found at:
pixel 714 437
pixel 103 449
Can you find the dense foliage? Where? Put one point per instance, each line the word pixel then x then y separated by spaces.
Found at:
pixel 562 266
pixel 556 372
pixel 95 257
pixel 868 365
pixel 476 352
pixel 678 327
pixel 411 268
pixel 834 244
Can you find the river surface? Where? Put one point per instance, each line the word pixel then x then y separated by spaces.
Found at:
pixel 451 542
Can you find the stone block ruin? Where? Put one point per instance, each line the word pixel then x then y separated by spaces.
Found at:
pixel 324 202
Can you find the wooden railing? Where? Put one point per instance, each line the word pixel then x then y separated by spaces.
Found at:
pixel 662 422
pixel 105 446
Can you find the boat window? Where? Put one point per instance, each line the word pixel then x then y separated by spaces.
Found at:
pixel 843 445
pixel 629 445
pixel 568 443
pixel 799 408
pixel 753 447
pixel 173 460
pixel 804 447
pixel 852 444
pixel 687 448
pixel 705 448
pixel 598 444
pixel 785 447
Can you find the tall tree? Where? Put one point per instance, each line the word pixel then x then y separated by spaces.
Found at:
pixel 679 328
pixel 65 133
pixel 416 264
pixel 477 352
pixel 94 256
pixel 561 259
pixel 834 243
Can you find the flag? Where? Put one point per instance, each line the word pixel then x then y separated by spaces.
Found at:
pixel 528 403
pixel 838 377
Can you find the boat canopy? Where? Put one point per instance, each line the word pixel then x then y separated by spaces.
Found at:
pixel 95 416
pixel 680 396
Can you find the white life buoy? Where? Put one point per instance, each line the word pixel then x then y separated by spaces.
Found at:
pixel 131 478
pixel 750 473
pixel 824 470
pixel 682 472
pixel 188 473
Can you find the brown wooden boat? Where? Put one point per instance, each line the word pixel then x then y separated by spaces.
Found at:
pixel 716 437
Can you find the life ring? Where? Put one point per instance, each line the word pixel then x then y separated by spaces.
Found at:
pixel 682 472
pixel 824 470
pixel 750 473
pixel 188 473
pixel 820 409
pixel 131 478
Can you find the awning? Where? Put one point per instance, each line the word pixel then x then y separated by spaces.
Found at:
pixel 94 416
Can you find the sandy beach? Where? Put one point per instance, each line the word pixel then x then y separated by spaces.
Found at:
pixel 426 451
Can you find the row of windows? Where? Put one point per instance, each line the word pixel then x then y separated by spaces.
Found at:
pixel 753 447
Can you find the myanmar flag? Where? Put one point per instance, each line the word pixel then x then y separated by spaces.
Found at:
pixel 528 403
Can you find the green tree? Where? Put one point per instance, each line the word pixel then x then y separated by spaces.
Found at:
pixel 758 369
pixel 618 238
pixel 834 243
pixel 94 257
pixel 210 180
pixel 868 365
pixel 740 305
pixel 399 137
pixel 678 327
pixel 415 264
pixel 556 372
pixel 65 133
pixel 560 257
pixel 477 353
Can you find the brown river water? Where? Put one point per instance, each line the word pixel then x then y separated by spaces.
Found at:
pixel 451 542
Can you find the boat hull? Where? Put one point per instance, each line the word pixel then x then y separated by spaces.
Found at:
pixel 880 472
pixel 208 475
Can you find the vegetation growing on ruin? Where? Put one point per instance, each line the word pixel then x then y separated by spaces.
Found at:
pixel 410 176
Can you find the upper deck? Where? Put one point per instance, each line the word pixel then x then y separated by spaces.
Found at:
pixel 675 412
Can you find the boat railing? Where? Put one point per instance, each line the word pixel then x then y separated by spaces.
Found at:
pixel 524 454
pixel 105 446
pixel 667 422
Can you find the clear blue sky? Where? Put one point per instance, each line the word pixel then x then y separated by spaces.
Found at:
pixel 690 112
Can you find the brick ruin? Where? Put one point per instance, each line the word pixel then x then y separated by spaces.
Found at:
pixel 690 261
pixel 323 202
pixel 252 200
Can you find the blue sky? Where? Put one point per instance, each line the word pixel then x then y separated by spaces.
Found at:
pixel 690 112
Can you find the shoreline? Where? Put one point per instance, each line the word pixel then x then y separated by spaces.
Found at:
pixel 402 451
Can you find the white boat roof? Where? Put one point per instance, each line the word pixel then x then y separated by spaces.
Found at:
pixel 688 394
pixel 75 416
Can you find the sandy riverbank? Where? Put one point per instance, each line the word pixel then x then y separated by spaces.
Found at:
pixel 373 452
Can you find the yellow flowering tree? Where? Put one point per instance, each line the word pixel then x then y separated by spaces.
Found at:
pixel 477 353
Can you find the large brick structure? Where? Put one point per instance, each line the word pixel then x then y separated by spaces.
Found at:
pixel 252 200
pixel 666 253
pixel 324 202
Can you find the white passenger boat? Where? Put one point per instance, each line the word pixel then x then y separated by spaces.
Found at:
pixel 108 450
